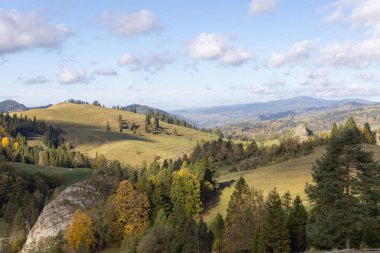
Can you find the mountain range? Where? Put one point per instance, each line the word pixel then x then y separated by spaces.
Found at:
pixel 239 113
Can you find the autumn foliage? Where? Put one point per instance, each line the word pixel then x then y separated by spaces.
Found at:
pixel 80 231
pixel 131 207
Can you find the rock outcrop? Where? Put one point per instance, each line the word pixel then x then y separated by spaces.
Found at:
pixel 56 216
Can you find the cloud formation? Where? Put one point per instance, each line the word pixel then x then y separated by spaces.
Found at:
pixel 72 76
pixel 148 63
pixel 131 24
pixel 299 51
pixel 211 46
pixel 105 72
pixel 21 31
pixel 36 80
pixel 351 54
pixel 357 13
pixel 261 6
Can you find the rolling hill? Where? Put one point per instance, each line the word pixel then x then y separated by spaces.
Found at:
pixel 233 114
pixel 85 129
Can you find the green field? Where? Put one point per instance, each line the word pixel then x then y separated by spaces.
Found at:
pixel 85 128
pixel 70 175
pixel 291 175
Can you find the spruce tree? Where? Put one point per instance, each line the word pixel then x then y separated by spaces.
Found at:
pixel 120 124
pixel 297 226
pixel 276 235
pixel 243 217
pixel 344 187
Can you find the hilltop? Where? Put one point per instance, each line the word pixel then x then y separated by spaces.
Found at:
pixel 11 106
pixel 85 128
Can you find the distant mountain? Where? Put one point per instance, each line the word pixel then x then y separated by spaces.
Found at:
pixel 239 113
pixel 11 106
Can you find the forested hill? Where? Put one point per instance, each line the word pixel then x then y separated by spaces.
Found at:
pixel 11 106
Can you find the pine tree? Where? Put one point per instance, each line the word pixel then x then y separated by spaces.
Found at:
pixel 108 128
pixel 120 124
pixel 276 234
pixel 344 189
pixel 297 226
pixel 243 217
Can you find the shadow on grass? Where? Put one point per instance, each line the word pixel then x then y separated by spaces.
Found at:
pixel 211 200
pixel 92 135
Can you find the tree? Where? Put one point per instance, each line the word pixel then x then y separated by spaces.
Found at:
pixel 297 226
pixel 96 103
pixel 120 124
pixel 334 131
pixel 80 231
pixel 5 142
pixel 131 208
pixel 186 192
pixel 344 191
pixel 243 217
pixel 276 234
pixel 147 123
pixel 217 228
pixel 368 136
pixel 108 128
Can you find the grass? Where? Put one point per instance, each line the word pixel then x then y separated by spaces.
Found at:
pixel 85 128
pixel 70 175
pixel 290 175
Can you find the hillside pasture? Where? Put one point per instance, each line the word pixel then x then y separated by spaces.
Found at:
pixel 290 175
pixel 85 128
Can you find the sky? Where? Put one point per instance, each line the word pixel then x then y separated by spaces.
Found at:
pixel 175 54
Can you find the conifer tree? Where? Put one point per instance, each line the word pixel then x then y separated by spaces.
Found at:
pixel 120 124
pixel 108 128
pixel 297 226
pixel 243 217
pixel 344 189
pixel 276 235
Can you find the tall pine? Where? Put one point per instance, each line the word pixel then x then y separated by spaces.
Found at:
pixel 343 186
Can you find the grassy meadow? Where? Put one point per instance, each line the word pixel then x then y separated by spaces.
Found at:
pixel 290 175
pixel 85 129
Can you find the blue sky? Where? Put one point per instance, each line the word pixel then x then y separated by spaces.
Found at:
pixel 179 54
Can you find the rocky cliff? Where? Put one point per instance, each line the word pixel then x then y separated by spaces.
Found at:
pixel 56 216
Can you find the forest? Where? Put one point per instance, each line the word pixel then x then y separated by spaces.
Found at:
pixel 160 207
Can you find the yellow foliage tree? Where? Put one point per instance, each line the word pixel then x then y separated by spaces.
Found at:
pixel 186 190
pixel 80 229
pixel 131 207
pixel 16 145
pixel 5 142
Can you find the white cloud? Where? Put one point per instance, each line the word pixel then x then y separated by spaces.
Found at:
pixel 352 54
pixel 299 51
pixel 262 6
pixel 72 76
pixel 357 13
pixel 105 72
pixel 24 31
pixel 369 78
pixel 211 46
pixel 131 24
pixel 148 63
pixel 207 46
pixel 36 80
pixel 236 57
